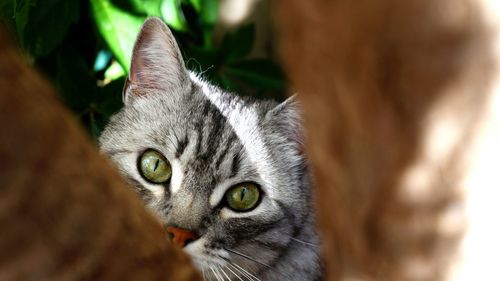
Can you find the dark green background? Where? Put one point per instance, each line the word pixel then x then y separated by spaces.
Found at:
pixel 84 48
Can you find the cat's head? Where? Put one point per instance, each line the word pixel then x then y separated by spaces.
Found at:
pixel 224 174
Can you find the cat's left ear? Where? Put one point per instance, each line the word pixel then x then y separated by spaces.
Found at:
pixel 157 62
pixel 286 119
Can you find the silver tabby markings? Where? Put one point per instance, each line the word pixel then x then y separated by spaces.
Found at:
pixel 209 141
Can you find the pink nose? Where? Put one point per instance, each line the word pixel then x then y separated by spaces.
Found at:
pixel 181 237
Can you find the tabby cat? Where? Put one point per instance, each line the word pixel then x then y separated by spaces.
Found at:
pixel 224 174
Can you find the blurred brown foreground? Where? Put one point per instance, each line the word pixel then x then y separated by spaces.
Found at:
pixel 399 100
pixel 65 214
pixel 402 111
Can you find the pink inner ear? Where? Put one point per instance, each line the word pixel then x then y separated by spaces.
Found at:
pixel 142 70
pixel 156 59
pixel 134 69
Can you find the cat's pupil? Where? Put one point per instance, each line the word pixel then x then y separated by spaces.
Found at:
pixel 156 164
pixel 243 192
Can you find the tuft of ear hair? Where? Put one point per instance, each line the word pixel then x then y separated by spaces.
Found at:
pixel 157 63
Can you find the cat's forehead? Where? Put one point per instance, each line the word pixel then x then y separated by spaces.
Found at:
pixel 188 106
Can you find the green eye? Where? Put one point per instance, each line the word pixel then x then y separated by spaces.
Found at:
pixel 243 196
pixel 154 167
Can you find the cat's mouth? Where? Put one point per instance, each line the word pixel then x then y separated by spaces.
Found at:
pixel 205 258
pixel 204 264
pixel 216 264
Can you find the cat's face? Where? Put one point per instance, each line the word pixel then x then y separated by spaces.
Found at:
pixel 223 174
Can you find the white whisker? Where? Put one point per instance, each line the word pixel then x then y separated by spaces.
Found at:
pixel 237 276
pixel 247 257
pixel 304 242
pixel 250 274
pixel 216 273
pixel 223 272
pixel 248 277
pixel 213 272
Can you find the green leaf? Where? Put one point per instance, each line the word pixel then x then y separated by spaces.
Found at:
pixel 238 44
pixel 207 9
pixel 74 79
pixel 106 102
pixel 148 7
pixel 43 24
pixel 171 12
pixel 108 99
pixel 95 129
pixel 200 59
pixel 114 71
pixel 21 14
pixel 257 73
pixel 7 9
pixel 77 86
pixel 118 28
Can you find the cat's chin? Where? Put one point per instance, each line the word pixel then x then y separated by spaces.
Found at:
pixel 204 258
pixel 203 264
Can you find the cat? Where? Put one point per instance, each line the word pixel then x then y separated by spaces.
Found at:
pixel 224 174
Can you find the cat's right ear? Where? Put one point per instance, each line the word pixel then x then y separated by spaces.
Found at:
pixel 286 119
pixel 157 62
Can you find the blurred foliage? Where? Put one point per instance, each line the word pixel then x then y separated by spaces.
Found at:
pixel 85 48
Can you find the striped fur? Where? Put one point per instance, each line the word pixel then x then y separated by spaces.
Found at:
pixel 214 140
